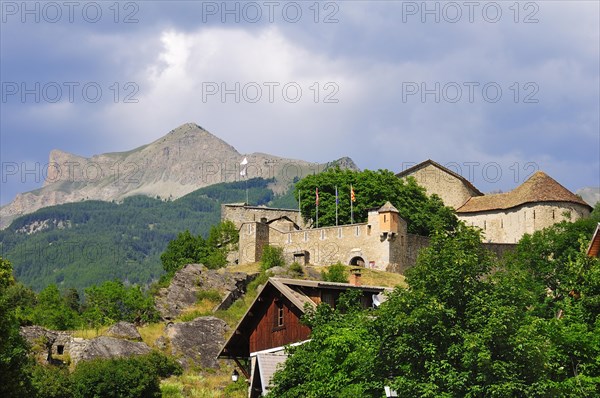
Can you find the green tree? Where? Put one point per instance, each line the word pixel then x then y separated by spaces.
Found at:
pixel 467 326
pixel 212 252
pixel 222 239
pixel 13 349
pixel 112 301
pixel 23 301
pixel 372 189
pixel 53 312
pixel 272 256
pixel 338 361
pixel 185 249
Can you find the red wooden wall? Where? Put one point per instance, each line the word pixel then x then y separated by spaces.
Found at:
pixel 266 334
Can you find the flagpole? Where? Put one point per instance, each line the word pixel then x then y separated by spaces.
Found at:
pixel 244 173
pixel 317 202
pixel 351 208
pixel 336 206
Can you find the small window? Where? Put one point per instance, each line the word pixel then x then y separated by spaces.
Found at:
pixel 339 232
pixel 289 238
pixel 328 298
pixel 280 313
pixel 305 236
pixel 385 218
pixel 60 349
pixel 484 225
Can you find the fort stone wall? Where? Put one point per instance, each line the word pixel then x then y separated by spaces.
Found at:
pixel 449 188
pixel 508 226
pixel 241 213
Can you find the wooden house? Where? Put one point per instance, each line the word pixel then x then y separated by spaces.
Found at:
pixel 273 321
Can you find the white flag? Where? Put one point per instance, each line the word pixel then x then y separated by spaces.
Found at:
pixel 243 163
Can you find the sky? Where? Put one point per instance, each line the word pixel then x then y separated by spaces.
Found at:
pixel 492 90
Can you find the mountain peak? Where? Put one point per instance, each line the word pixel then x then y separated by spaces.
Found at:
pixel 183 160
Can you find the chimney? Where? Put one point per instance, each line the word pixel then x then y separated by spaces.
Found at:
pixel 355 275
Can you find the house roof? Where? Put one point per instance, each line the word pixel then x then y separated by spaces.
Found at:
pixel 430 162
pixel 594 247
pixel 388 207
pixel 267 365
pixel 540 187
pixel 292 290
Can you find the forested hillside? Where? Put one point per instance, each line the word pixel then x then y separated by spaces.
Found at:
pixel 81 244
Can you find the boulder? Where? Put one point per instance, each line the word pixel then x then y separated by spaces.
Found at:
pixel 124 330
pixel 105 347
pixel 197 342
pixel 183 289
pixel 47 343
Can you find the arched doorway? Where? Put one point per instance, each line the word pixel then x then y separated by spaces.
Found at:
pixel 357 261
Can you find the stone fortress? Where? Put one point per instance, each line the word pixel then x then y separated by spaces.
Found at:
pixel 383 242
pixel 504 217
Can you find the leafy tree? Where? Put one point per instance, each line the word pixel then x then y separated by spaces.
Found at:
pixel 372 189
pixel 212 252
pixel 222 239
pixel 72 299
pixel 112 301
pixel 185 249
pixel 467 326
pixel 13 349
pixel 272 256
pixel 23 301
pixel 53 312
pixel 338 361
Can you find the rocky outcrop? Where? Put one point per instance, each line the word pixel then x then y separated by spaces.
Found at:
pixel 187 282
pixel 124 330
pixel 48 345
pixel 105 347
pixel 197 342
pixel 184 160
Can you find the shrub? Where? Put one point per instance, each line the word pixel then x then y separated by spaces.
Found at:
pixel 51 381
pixel 272 257
pixel 335 273
pixel 211 295
pixel 296 268
pixel 135 377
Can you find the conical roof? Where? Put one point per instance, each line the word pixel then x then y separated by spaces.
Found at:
pixel 387 208
pixel 540 187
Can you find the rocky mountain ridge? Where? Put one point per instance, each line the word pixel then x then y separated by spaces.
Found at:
pixel 184 160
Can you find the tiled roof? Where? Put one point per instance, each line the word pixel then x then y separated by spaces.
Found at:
pixel 428 162
pixel 540 187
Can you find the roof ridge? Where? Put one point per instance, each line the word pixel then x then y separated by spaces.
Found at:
pixel 443 168
pixel 539 187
